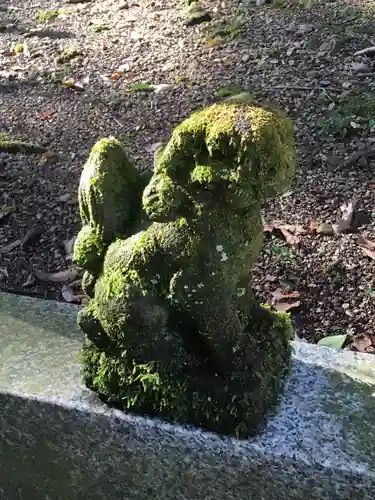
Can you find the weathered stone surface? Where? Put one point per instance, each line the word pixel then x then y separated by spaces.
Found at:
pixel 58 442
pixel 172 325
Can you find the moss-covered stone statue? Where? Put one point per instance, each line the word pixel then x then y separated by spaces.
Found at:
pixel 172 327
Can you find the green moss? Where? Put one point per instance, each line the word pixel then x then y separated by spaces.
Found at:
pixel 106 191
pixel 226 136
pixel 228 91
pixel 87 320
pixel 89 249
pixel 142 87
pixel 68 54
pixel 195 14
pixel 100 27
pixel 180 79
pixel 19 48
pixel 173 327
pixel 4 136
pixel 353 114
pixel 219 404
pixel 20 147
pixel 88 282
pixel 109 200
pixel 45 16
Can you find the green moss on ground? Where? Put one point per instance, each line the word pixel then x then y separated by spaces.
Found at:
pixel 19 48
pixel 68 54
pixel 20 147
pixel 45 16
pixel 354 113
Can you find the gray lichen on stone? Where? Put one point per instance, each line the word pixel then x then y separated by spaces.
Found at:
pixel 173 328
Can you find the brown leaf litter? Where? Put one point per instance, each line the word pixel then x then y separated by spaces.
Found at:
pixel 285 301
pixel 298 59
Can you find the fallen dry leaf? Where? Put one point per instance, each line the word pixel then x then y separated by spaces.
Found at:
pixel 116 76
pixel 288 227
pixel 361 343
pixel 31 281
pixel 31 237
pixel 49 157
pixel 367 246
pixel 280 295
pixel 292 228
pixel 344 224
pixel 290 238
pixel 151 148
pixel 11 246
pixel 300 229
pixel 3 274
pixel 313 226
pixel 286 306
pixel 72 84
pixel 369 253
pixel 65 197
pixel 270 278
pixel 26 50
pixel 268 229
pixel 47 116
pixel 59 277
pixel 69 296
pixel 285 301
pixel 286 194
pixel 325 229
pixel 5 211
pixel 363 242
pixel 162 87
pixel 69 247
pixel 106 79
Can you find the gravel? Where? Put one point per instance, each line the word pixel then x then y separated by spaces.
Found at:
pixel 299 58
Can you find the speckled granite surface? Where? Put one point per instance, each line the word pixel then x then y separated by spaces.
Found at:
pixel 57 442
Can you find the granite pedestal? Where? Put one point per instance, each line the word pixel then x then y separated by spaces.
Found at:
pixel 58 442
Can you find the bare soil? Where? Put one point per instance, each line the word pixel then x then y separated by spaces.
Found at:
pixel 70 74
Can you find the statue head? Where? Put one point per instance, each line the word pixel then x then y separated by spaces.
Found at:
pixel 230 153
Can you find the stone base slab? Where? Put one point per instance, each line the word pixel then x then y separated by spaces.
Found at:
pixel 59 442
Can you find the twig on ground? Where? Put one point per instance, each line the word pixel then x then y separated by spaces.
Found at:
pixel 298 87
pixel 117 121
pixel 363 153
pixel 367 50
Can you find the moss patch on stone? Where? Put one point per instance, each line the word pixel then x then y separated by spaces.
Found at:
pixel 109 200
pixel 234 405
pixel 172 326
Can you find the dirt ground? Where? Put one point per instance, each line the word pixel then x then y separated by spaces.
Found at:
pixel 74 72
